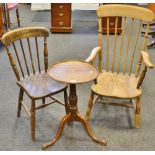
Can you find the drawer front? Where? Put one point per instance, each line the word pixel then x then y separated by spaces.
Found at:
pixel 61 23
pixel 111 22
pixel 60 6
pixel 60 15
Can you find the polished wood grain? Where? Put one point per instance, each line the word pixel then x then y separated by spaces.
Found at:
pixel 40 85
pixel 69 72
pixel 118 78
pixel 32 79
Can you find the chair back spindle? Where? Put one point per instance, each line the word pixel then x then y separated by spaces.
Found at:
pixel 38 58
pixel 122 51
pixel 107 58
pixel 115 38
pixel 30 52
pixel 134 47
pixel 121 46
pixel 100 44
pixel 22 46
pixel 45 54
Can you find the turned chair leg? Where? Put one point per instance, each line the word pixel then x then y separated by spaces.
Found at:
pixel 21 92
pixel 33 119
pixel 17 15
pixel 90 105
pixel 66 101
pixel 138 106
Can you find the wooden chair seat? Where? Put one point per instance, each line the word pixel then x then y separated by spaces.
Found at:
pixel 40 85
pixel 116 85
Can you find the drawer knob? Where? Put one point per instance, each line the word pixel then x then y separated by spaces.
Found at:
pixel 61 14
pixel 61 6
pixel 111 24
pixel 61 23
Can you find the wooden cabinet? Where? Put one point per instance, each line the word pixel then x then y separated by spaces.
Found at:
pixel 112 21
pixel 1 21
pixel 61 17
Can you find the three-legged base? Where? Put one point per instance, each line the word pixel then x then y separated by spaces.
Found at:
pixel 73 115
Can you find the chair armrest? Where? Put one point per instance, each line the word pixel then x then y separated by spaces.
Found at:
pixel 146 59
pixel 93 54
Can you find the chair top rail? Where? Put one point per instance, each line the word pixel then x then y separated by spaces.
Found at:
pixel 126 11
pixel 22 33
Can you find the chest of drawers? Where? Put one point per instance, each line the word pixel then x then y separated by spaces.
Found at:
pixel 61 17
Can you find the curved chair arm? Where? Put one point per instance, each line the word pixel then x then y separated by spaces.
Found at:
pixel 93 54
pixel 146 59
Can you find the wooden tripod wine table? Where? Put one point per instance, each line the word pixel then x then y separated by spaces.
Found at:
pixel 73 72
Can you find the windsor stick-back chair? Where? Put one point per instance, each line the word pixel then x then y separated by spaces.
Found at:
pixel 28 55
pixel 123 61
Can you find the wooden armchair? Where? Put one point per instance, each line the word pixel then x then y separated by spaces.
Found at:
pixel 28 55
pixel 123 58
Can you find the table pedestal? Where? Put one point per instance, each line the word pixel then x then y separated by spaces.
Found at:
pixel 73 115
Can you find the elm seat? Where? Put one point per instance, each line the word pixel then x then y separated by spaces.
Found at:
pixel 40 85
pixel 117 85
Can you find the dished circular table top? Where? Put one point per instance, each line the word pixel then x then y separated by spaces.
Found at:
pixel 73 72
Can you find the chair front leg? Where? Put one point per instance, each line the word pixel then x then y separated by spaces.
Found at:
pixel 90 105
pixel 33 119
pixel 20 98
pixel 138 106
pixel 66 101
